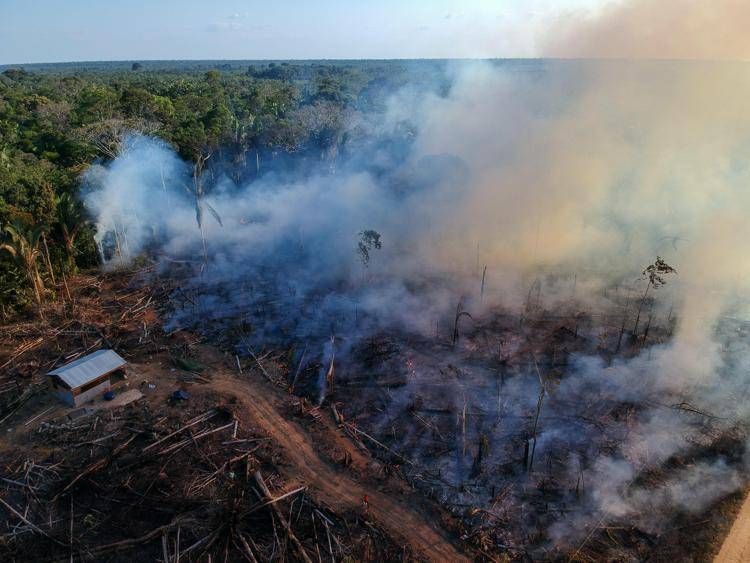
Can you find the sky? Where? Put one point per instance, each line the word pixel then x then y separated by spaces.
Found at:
pixel 90 30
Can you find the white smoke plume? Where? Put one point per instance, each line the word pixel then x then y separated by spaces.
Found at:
pixel 590 168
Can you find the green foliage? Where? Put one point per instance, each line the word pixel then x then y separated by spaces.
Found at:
pixel 55 120
pixel 96 103
pixel 23 243
pixel 26 187
pixel 70 221
pixel 15 73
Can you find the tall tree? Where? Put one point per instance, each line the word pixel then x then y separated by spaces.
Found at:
pixel 23 243
pixel 70 218
pixel 198 191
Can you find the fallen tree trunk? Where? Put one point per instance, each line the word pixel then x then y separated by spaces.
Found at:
pixel 287 526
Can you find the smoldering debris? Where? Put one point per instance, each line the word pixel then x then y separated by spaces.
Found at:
pixel 531 201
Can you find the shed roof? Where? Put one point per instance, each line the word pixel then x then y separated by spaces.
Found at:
pixel 88 368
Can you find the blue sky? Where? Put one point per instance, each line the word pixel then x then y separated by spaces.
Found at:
pixel 75 30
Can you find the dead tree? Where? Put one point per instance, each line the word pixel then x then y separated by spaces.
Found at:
pixel 536 417
pixel 654 274
pixel 198 192
pixel 286 524
pixel 459 313
pixel 481 291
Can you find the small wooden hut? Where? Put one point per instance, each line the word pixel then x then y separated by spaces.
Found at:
pixel 85 378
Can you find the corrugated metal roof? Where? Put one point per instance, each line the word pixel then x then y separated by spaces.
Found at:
pixel 88 368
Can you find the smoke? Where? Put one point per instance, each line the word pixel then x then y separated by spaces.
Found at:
pixel 647 29
pixel 132 196
pixel 564 177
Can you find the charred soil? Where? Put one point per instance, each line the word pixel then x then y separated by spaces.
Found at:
pixel 241 470
pixel 245 470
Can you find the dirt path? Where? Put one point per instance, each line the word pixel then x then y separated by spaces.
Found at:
pixel 736 546
pixel 336 487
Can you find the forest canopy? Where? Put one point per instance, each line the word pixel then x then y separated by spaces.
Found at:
pixel 56 120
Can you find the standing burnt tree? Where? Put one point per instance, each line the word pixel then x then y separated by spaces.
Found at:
pixel 654 273
pixel 368 241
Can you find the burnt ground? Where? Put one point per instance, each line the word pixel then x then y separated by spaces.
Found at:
pixel 162 480
pixel 436 410
pixel 157 479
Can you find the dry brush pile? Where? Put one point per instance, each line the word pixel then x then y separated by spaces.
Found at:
pixel 156 479
pixel 177 483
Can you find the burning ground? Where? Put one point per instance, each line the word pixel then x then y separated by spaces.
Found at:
pixel 495 312
pixel 401 410
pixel 227 474
pixel 463 280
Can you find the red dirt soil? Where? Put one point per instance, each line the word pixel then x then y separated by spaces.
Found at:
pixel 390 507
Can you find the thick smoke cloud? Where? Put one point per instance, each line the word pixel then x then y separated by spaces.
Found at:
pixel 655 29
pixel 589 169
pixel 131 198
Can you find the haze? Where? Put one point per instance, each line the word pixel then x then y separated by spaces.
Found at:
pixel 86 30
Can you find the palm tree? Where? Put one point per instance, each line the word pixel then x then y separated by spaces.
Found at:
pixel 71 219
pixel 23 243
